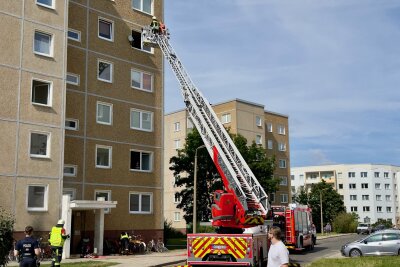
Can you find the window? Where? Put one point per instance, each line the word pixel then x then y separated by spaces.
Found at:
pixel 378 198
pixel 140 161
pixel 281 129
pixel 364 174
pixel 106 29
pixel 40 145
pixel 143 5
pixel 353 197
pixel 352 174
pixel 365 197
pixel 376 174
pixel 177 126
pixel 140 203
pixel 270 142
pixel 269 127
pixel 43 44
pixel 352 186
pixel 72 124
pixel 74 35
pixel 72 79
pixel 104 71
pixel 292 177
pixel 71 192
pixel 141 80
pixel 283 180
pixel 353 209
pixel 141 120
pixel 293 188
pixel 226 118
pixel 387 186
pixel 364 186
pixel 103 193
pixel 177 143
pixel 70 170
pixel 258 121
pixel 339 175
pixel 103 156
pixel 258 139
pixel 388 198
pixel 177 216
pixel 366 208
pixel 284 198
pixel 37 197
pixel 177 198
pixel 378 209
pixel 386 175
pixel 282 146
pixel 41 93
pixel 378 186
pixel 340 186
pixel 104 113
pixel 138 43
pixel 282 163
pixel 46 3
pixel 388 209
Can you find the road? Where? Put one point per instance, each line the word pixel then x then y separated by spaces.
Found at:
pixel 326 248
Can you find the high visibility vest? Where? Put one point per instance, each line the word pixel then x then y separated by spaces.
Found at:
pixel 56 239
pixel 124 236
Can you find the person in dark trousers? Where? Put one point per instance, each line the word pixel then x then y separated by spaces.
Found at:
pixel 27 249
pixel 124 238
pixel 57 239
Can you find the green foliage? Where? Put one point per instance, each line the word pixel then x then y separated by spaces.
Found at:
pixel 332 204
pixel 384 261
pixel 345 222
pixel 6 235
pixel 386 223
pixel 170 232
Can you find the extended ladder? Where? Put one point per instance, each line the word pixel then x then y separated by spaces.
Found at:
pixel 236 174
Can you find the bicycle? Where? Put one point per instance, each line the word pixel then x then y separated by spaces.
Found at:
pixel 160 246
pixel 45 250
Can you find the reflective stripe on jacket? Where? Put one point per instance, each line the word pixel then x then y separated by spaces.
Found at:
pixel 56 239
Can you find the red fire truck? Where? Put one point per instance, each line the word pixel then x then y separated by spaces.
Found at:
pixel 296 223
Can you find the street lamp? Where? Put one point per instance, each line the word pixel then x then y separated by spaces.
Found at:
pixel 195 191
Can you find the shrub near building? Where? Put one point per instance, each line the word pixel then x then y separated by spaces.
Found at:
pixel 345 223
pixel 6 236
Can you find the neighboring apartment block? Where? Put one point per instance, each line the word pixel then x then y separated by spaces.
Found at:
pixel 370 190
pixel 269 129
pixel 81 114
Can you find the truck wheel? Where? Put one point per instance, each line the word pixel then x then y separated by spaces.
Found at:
pixel 300 244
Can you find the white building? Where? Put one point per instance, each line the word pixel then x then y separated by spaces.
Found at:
pixel 370 190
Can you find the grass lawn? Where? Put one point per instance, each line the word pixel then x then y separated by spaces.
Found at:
pixel 85 264
pixel 387 261
pixel 176 243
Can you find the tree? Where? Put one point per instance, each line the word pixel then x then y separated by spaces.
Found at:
pixel 345 222
pixel 332 204
pixel 208 177
pixel 6 235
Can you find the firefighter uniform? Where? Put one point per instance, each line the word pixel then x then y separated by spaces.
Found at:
pixel 57 239
pixel 124 238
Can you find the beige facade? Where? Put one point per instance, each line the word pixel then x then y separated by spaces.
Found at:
pixel 246 118
pixel 81 114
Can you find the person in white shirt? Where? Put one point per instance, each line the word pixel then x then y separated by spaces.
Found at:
pixel 278 255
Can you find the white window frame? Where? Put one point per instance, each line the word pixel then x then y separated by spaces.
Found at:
pixel 109 157
pixel 389 209
pixel 177 143
pixel 353 197
pixel 45 197
pixel 226 118
pixel 51 46
pixel 70 191
pixel 258 139
pixel 352 186
pixel 76 76
pixel 364 186
pixel 388 198
pixel 353 208
pixel 270 144
pixel 366 209
pixel 365 197
pixel 110 113
pixel 376 174
pixel 258 121
pixel 379 209
pixel 378 186
pixel 76 32
pixel 282 164
pixel 364 174
pixel 281 129
pixel 52 6
pixel 177 126
pixel 284 198
pixel 177 216
pixel 141 7
pixel 140 202
pixel 48 144
pixel 108 192
pixel 282 146
pixel 386 175
pixel 111 70
pixel 177 200
pixel 49 92
pixel 74 168
pixel 140 128
pixel 111 23
pixel 141 152
pixel 378 197
pixel 72 128
pixel 269 127
pixel 387 187
pixel 141 80
pixel 283 180
pixel 351 174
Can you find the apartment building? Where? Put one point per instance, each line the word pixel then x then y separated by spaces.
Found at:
pixel 269 129
pixel 81 114
pixel 370 190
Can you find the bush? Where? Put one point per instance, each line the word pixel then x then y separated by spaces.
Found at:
pixel 6 235
pixel 345 223
pixel 170 232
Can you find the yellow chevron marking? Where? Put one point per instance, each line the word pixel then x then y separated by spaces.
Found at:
pixel 200 250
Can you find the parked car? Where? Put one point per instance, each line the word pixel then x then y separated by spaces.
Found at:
pixel 364 228
pixel 378 228
pixel 385 242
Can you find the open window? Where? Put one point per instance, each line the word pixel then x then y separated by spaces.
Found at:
pixel 136 42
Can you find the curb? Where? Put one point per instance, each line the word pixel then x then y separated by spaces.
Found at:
pixel 169 263
pixel 331 236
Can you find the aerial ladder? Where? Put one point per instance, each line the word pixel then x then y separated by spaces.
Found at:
pixel 245 203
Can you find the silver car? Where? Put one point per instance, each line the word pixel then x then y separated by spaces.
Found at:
pixel 385 242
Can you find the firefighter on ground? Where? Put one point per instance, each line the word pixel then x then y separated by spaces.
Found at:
pixel 27 249
pixel 124 239
pixel 155 25
pixel 57 239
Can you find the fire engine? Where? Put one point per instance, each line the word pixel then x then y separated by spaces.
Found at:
pixel 243 204
pixel 296 223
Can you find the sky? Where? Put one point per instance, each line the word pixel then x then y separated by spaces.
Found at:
pixel 332 66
